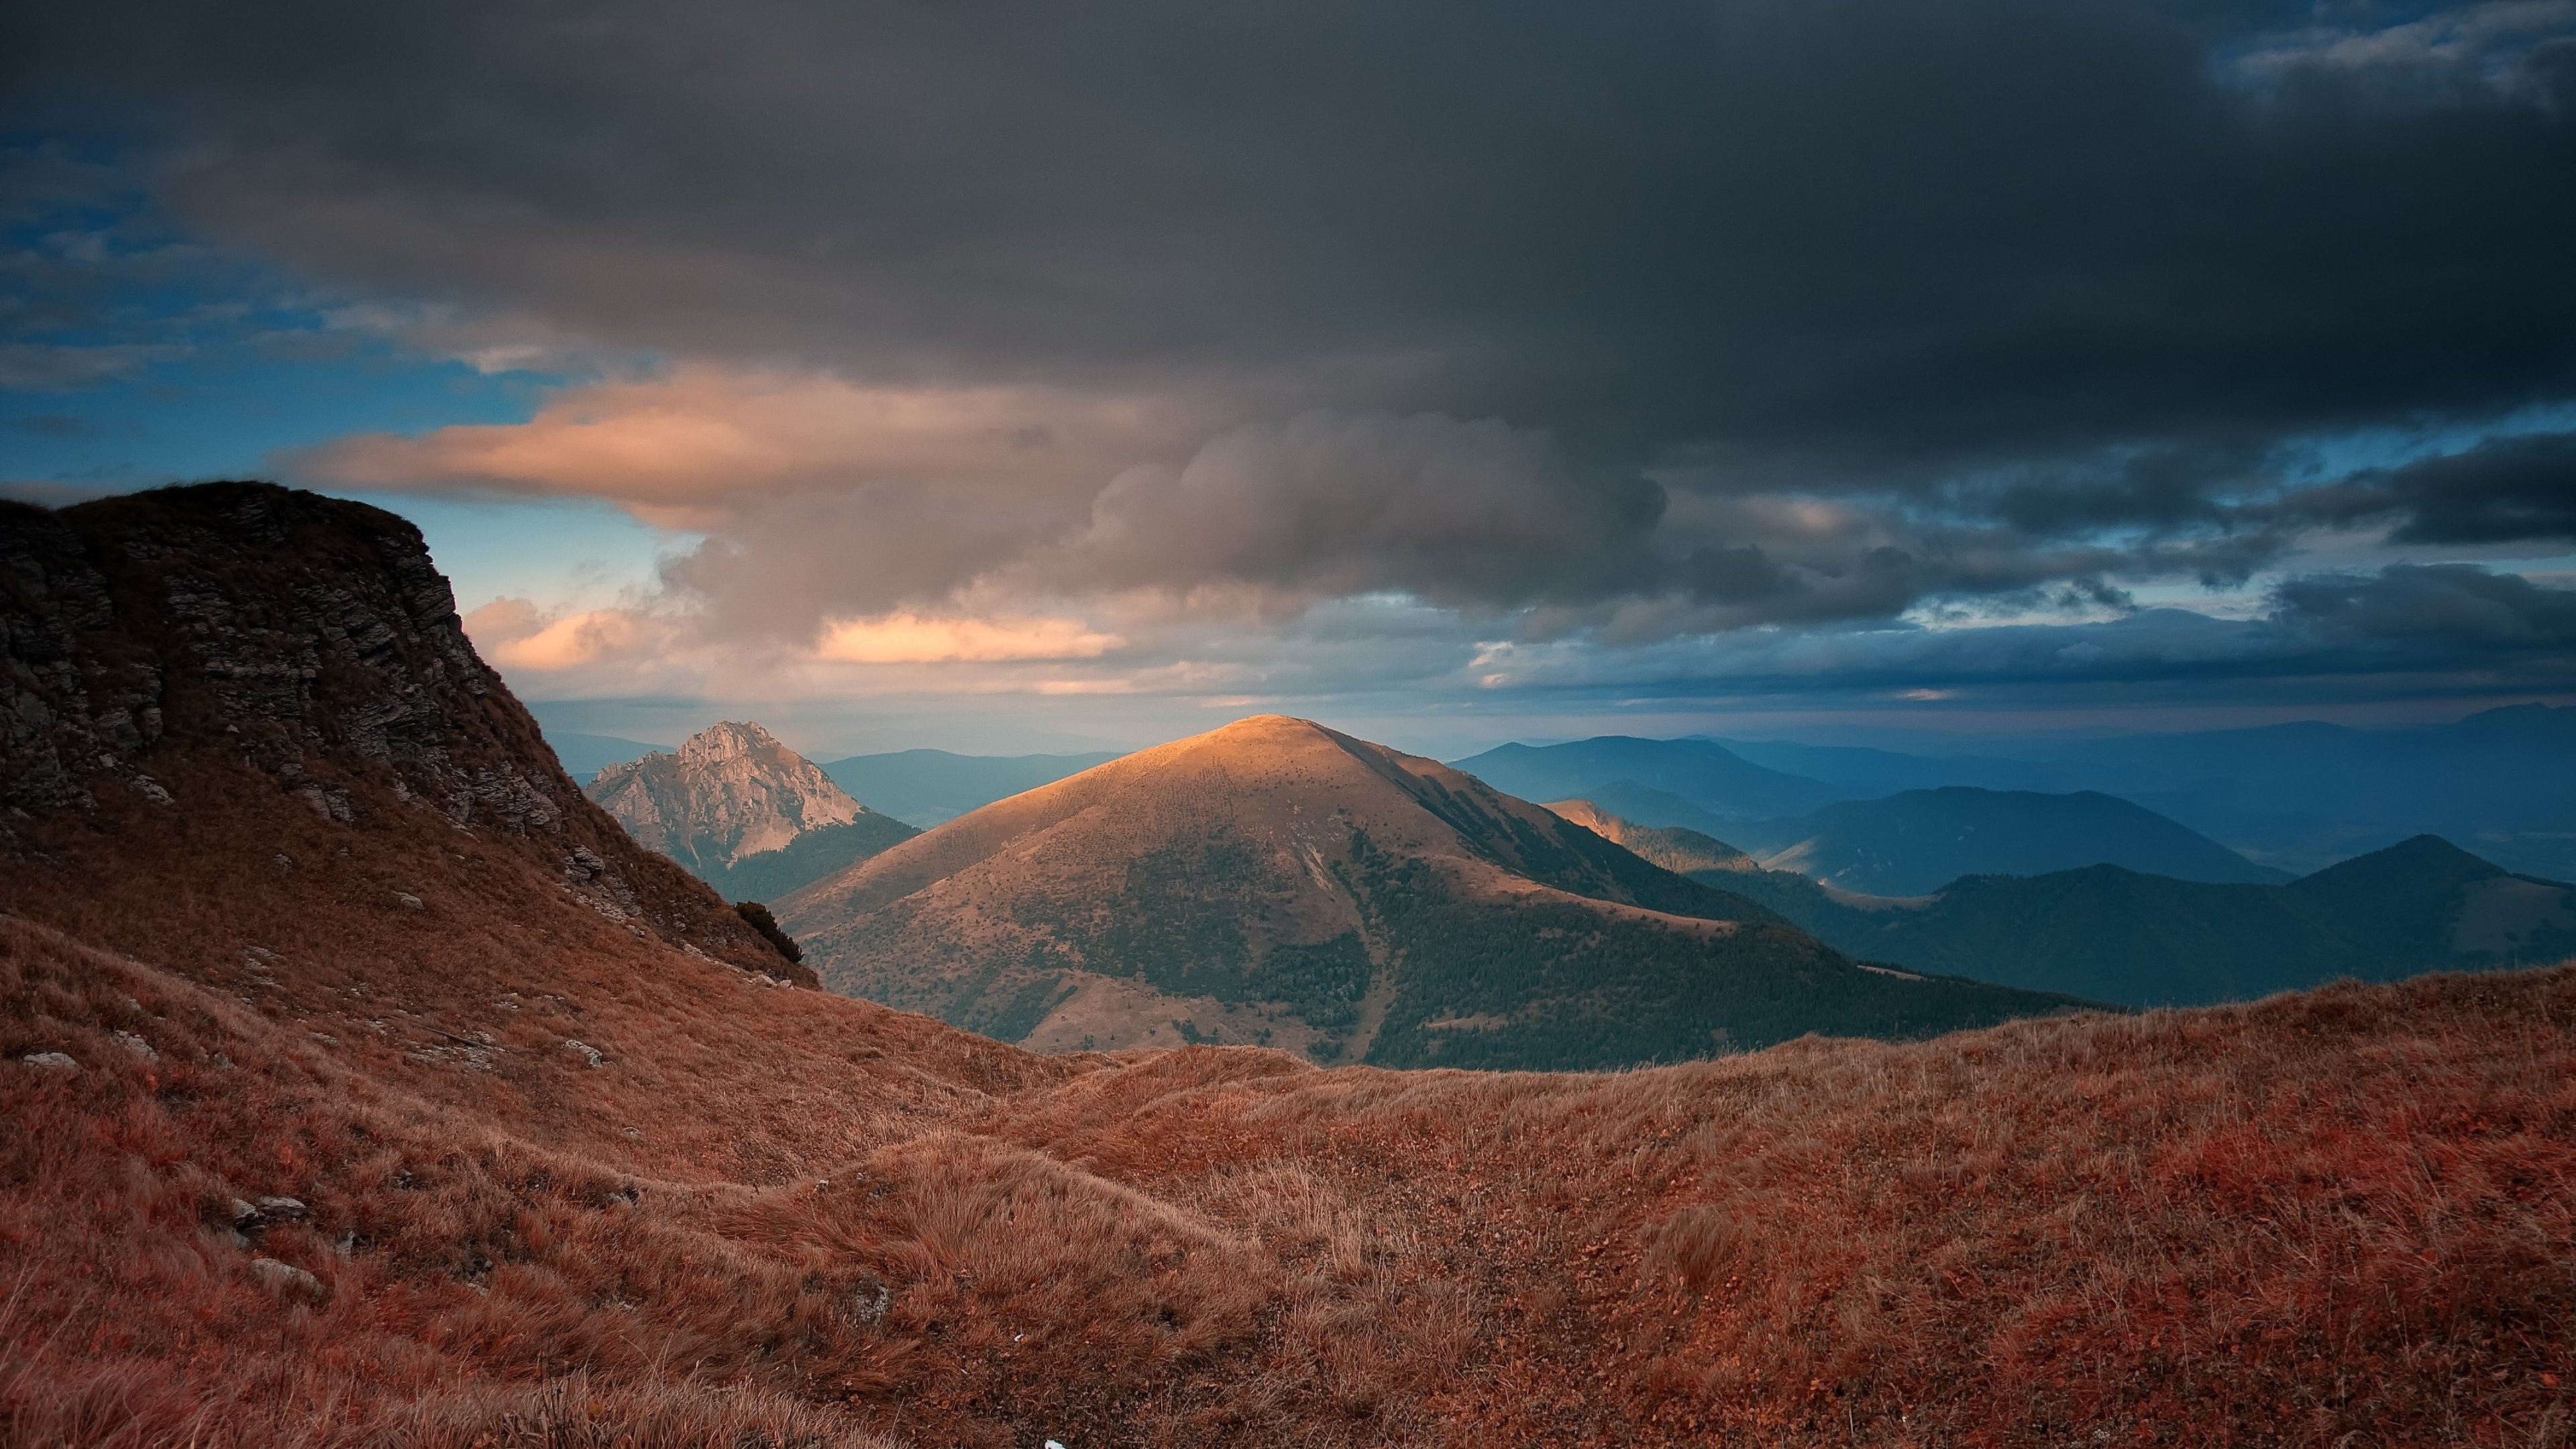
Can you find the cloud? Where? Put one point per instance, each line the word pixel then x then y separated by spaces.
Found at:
pixel 911 639
pixel 1473 513
pixel 31 367
pixel 2490 44
pixel 2507 490
pixel 1827 238
pixel 1653 340
pixel 692 447
pixel 2456 606
pixel 515 634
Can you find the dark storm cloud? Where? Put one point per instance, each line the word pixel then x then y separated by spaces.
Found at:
pixel 1852 233
pixel 2456 606
pixel 1510 306
pixel 2402 630
pixel 2508 490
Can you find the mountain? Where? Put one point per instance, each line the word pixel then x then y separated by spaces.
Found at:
pixel 932 787
pixel 1917 841
pixel 1867 772
pixel 1704 774
pixel 2306 794
pixel 1678 850
pixel 2110 934
pixel 743 812
pixel 400 1098
pixel 238 692
pixel 1275 881
pixel 2297 796
pixel 584 756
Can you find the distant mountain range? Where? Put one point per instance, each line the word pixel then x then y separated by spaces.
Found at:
pixel 743 812
pixel 932 787
pixel 1918 841
pixel 1275 881
pixel 1904 844
pixel 2112 934
pixel 2300 796
pixel 1706 775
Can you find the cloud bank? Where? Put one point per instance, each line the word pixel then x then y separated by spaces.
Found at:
pixel 1223 346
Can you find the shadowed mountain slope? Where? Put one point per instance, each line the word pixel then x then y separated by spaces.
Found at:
pixel 1701 772
pixel 523 1159
pixel 1918 841
pixel 1681 851
pixel 2111 934
pixel 1276 881
pixel 743 812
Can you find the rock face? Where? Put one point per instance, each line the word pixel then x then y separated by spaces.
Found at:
pixel 743 812
pixel 179 665
pixel 731 791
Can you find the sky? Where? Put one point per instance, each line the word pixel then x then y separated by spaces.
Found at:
pixel 1010 376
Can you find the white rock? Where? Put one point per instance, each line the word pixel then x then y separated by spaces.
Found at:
pixel 285 1278
pixel 589 1054
pixel 50 1061
pixel 410 902
pixel 135 1044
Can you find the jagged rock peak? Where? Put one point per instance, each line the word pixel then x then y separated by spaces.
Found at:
pixel 731 791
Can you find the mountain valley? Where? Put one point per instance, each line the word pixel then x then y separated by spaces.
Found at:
pixel 367 1085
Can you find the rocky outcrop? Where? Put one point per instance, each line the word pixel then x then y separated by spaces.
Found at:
pixel 192 652
pixel 743 812
pixel 732 790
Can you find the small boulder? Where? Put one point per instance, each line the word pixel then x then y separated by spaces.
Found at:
pixel 285 1279
pixel 409 901
pixel 283 1209
pixel 243 1215
pixel 50 1062
pixel 136 1045
pixel 589 1054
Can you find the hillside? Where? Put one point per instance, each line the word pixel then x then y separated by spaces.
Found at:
pixel 1680 851
pixel 1701 773
pixel 743 812
pixel 533 1161
pixel 1917 841
pixel 1276 882
pixel 932 787
pixel 2110 934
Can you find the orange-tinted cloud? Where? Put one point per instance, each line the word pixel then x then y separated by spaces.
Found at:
pixel 681 450
pixel 912 639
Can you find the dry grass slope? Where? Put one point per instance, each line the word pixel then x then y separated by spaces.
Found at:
pixel 768 1216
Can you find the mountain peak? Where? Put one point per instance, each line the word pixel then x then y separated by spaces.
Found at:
pixel 732 791
pixel 1279 882
pixel 729 740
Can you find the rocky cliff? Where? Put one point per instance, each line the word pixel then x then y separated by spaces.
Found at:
pixel 238 671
